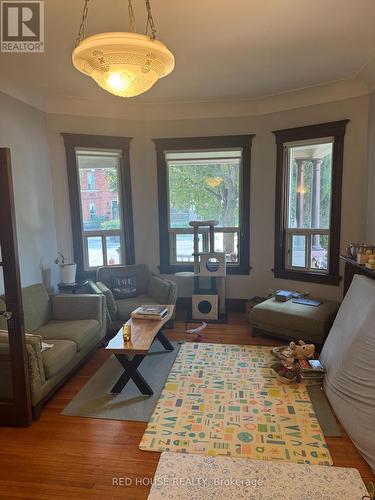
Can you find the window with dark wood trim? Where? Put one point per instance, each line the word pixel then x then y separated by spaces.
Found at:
pixel 216 163
pixel 309 167
pixel 100 201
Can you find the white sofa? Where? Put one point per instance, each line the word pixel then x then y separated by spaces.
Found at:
pixel 349 357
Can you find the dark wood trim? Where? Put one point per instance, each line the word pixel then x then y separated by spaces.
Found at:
pixel 323 279
pixel 320 130
pixel 163 210
pixel 335 217
pixel 195 143
pixel 315 131
pixel 73 141
pixel 18 411
pixel 75 210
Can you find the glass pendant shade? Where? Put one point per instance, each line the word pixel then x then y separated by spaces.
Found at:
pixel 124 64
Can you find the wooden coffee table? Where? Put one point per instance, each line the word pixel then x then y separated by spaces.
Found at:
pixel 131 354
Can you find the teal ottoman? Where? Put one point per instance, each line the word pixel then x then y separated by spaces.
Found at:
pixel 291 321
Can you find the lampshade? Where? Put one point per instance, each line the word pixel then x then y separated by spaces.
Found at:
pixel 124 64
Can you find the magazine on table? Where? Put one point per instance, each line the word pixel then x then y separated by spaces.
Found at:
pixel 152 311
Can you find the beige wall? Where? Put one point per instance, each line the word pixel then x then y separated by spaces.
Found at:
pixel 370 236
pixel 144 186
pixel 23 130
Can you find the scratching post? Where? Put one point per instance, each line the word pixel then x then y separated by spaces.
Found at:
pixel 208 304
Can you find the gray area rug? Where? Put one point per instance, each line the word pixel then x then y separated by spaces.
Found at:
pixel 95 400
pixel 323 411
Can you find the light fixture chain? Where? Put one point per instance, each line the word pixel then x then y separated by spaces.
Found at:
pixel 133 27
pixel 150 20
pixel 81 32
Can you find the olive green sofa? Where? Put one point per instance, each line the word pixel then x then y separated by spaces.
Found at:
pixel 73 324
pixel 150 289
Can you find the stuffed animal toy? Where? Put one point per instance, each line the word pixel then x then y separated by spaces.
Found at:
pixel 302 350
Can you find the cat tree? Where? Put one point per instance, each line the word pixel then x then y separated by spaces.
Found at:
pixel 208 303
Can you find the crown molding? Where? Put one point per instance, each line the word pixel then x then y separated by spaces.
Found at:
pixel 366 74
pixel 147 111
pixel 133 110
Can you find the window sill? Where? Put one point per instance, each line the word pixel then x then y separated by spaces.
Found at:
pixel 231 270
pixel 323 279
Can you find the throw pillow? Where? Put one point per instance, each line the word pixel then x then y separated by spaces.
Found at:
pixel 124 287
pixel 158 289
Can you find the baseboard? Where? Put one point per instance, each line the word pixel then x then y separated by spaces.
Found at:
pixel 238 305
pixel 183 303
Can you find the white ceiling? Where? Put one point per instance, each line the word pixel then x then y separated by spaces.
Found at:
pixel 224 49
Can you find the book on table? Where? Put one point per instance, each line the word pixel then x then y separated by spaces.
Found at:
pixel 311 366
pixel 152 311
pixel 311 372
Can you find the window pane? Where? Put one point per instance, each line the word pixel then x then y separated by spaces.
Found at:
pixel 298 251
pixel 190 155
pixel 310 185
pixel 319 252
pixel 185 247
pixel 113 250
pixel 99 190
pixel 95 251
pixel 204 189
pixel 228 243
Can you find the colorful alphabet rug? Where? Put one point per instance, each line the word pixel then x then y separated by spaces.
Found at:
pixel 225 400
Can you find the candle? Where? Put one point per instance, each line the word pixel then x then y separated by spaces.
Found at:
pixel 126 332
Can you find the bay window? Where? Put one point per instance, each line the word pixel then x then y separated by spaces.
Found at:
pixel 100 198
pixel 308 201
pixel 204 179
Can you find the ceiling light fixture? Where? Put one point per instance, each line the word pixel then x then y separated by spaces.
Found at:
pixel 122 63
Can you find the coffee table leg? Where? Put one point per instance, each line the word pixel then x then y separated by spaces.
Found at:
pixel 164 341
pixel 131 372
pixel 141 383
pixel 121 383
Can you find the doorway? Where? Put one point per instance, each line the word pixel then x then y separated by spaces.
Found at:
pixel 15 399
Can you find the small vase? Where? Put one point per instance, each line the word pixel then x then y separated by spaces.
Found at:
pixel 68 273
pixel 127 332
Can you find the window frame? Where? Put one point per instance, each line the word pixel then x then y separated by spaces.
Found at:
pixel 336 132
pixel 73 142
pixel 214 143
pixel 103 234
pixel 308 234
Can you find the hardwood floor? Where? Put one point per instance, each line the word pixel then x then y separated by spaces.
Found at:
pixel 80 458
